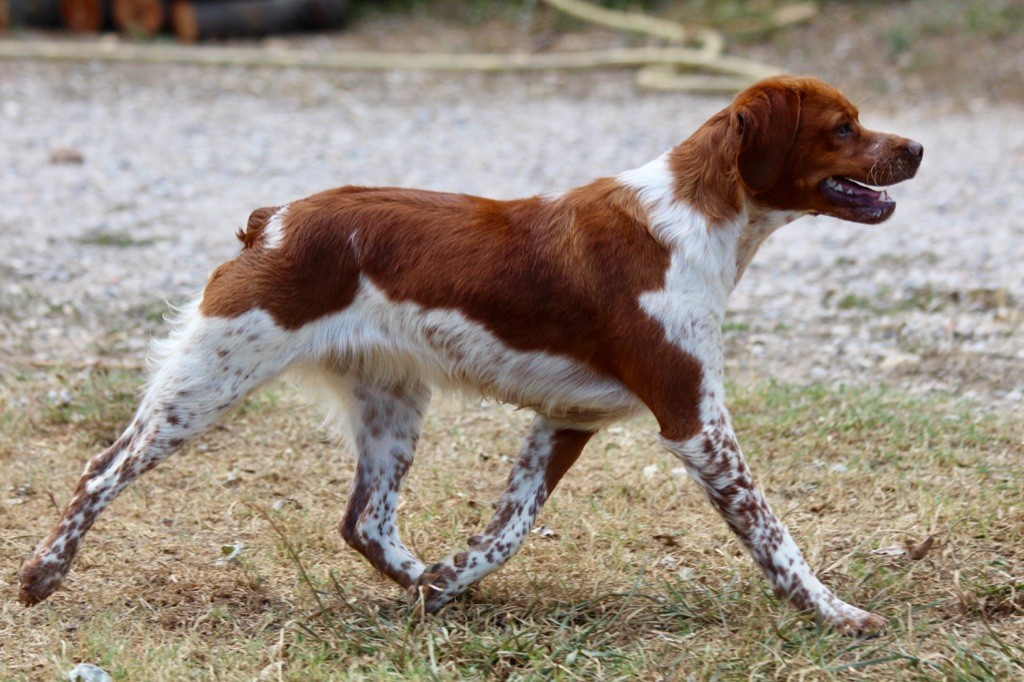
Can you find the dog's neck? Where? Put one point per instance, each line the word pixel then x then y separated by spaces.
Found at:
pixel 698 208
pixel 704 166
pixel 758 226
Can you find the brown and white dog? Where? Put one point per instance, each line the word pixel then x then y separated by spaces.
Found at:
pixel 587 306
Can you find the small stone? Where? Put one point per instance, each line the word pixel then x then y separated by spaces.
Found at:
pixel 230 554
pixel 66 155
pixel 686 573
pixel 897 359
pixel 87 672
pixel 272 671
pixel 545 532
pixel 61 398
pixel 668 561
pixel 892 550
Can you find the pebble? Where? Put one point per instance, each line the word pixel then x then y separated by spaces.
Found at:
pixel 87 672
pixel 66 155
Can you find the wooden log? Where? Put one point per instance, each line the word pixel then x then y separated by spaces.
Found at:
pixel 86 16
pixel 191 21
pixel 143 17
pixel 138 17
pixel 34 13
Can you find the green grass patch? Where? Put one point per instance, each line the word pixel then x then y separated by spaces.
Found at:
pixel 735 327
pixel 97 402
pixel 117 240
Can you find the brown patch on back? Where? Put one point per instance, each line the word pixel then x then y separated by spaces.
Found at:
pixel 561 276
pixel 313 273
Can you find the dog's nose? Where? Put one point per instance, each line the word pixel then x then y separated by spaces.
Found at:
pixel 916 149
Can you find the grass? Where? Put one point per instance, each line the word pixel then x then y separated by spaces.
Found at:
pixel 642 580
pixel 926 298
pixel 117 239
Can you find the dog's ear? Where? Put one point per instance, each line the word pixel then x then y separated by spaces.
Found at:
pixel 766 121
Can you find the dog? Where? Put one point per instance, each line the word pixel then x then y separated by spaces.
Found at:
pixel 587 306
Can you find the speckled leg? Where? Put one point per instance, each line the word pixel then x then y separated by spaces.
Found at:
pixel 386 426
pixel 547 453
pixel 210 366
pixel 714 461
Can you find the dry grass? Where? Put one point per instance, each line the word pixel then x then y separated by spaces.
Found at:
pixel 641 582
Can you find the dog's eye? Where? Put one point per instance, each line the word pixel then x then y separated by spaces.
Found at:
pixel 844 130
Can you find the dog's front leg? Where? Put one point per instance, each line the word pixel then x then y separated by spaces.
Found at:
pixel 681 382
pixel 713 459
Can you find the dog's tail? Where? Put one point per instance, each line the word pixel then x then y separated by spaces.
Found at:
pixel 258 219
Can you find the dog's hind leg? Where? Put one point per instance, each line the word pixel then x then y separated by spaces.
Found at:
pixel 547 453
pixel 385 426
pixel 210 366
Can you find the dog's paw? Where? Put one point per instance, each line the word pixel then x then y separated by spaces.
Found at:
pixel 431 588
pixel 39 580
pixel 859 623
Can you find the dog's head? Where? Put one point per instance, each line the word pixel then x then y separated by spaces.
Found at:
pixel 802 148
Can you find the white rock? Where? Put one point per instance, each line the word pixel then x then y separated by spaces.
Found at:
pixel 87 672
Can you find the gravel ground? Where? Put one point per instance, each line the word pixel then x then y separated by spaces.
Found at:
pixel 173 159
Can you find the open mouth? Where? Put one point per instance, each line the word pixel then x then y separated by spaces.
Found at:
pixel 865 204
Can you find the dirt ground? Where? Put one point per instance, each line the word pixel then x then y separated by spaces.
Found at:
pixel 206 567
pixel 123 185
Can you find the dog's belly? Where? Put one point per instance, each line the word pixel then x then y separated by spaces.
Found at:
pixel 383 341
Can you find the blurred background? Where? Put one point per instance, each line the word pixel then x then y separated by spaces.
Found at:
pixel 146 134
pixel 921 47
